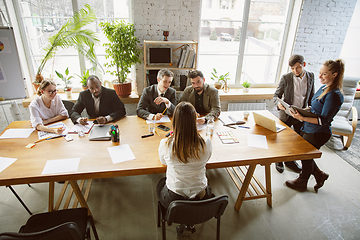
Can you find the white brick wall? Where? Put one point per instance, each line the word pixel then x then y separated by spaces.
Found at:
pixel 151 18
pixel 322 30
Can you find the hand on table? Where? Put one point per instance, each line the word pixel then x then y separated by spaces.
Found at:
pixel 101 120
pixel 83 121
pixel 158 116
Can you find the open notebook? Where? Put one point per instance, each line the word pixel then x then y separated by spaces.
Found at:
pixel 267 123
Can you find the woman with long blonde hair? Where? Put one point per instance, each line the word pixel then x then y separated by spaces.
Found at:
pixel 317 130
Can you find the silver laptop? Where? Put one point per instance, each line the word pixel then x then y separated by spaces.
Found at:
pixel 100 133
pixel 267 123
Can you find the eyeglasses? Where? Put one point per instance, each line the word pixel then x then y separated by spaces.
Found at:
pixel 53 92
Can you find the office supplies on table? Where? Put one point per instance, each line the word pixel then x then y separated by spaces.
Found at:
pixel 231 120
pixel 17 133
pixel 148 135
pixel 115 133
pixel 164 119
pixel 61 166
pixel 227 137
pixel 43 134
pixel 157 133
pixel 163 127
pixel 6 162
pixel 267 123
pixel 242 127
pixel 121 153
pixel 258 141
pixel 100 133
pixel 164 111
pixel 84 128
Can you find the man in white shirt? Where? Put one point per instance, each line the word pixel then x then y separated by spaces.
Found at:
pixel 158 99
pixel 297 89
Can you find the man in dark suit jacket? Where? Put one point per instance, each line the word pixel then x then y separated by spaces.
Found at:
pixel 100 103
pixel 297 88
pixel 158 97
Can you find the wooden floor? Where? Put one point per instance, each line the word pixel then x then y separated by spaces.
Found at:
pixel 125 207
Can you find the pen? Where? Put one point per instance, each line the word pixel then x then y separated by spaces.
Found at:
pixel 157 133
pixel 56 128
pixel 42 139
pixel 244 127
pixel 149 135
pixel 164 111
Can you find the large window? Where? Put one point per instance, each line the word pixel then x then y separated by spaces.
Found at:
pixel 245 38
pixel 43 18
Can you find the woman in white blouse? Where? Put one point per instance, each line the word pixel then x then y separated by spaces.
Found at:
pixel 47 108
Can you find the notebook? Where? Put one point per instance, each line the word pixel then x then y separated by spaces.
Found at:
pixel 100 133
pixel 267 123
pixel 303 112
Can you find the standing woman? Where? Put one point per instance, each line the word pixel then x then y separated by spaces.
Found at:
pixel 47 108
pixel 317 131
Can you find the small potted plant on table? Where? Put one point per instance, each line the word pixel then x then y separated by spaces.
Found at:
pixel 246 85
pixel 220 80
pixel 123 50
pixel 67 82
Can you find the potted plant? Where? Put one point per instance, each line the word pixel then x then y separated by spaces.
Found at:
pixel 246 84
pixel 83 78
pixel 220 80
pixel 122 49
pixel 66 79
pixel 72 34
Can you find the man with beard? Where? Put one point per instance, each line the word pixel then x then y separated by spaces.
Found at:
pixel 100 103
pixel 297 89
pixel 202 96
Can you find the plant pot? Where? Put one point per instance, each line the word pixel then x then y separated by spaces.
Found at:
pixel 68 92
pixel 122 89
pixel 246 90
pixel 36 86
pixel 217 85
pixel 84 88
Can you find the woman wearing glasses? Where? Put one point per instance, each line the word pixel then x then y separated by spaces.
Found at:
pixel 47 108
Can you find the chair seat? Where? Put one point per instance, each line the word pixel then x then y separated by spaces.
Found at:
pixel 341 124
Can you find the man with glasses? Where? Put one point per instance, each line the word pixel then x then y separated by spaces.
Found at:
pixel 101 103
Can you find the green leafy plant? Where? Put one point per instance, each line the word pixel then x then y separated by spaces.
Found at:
pixel 83 77
pixel 65 78
pixel 122 48
pixel 246 84
pixel 219 78
pixel 72 34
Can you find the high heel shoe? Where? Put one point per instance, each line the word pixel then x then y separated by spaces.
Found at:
pixel 299 184
pixel 320 178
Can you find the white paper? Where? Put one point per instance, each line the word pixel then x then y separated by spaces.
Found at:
pixel 121 153
pixel 258 141
pixel 201 126
pixel 17 133
pixel 61 166
pixel 5 45
pixel 164 119
pixel 79 127
pixel 43 135
pixel 5 162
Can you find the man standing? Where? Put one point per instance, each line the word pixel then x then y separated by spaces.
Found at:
pixel 100 103
pixel 202 96
pixel 297 89
pixel 158 97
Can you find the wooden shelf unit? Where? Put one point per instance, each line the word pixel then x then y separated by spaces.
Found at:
pixel 173 66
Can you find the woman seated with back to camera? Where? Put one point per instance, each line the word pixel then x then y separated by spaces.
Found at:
pixel 47 108
pixel 185 153
pixel 316 130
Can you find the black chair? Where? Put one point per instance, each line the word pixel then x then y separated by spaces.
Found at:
pixel 67 224
pixel 192 212
pixel 68 105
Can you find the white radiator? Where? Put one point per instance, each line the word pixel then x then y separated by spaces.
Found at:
pixel 246 106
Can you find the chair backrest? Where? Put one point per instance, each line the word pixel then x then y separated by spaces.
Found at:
pixel 65 231
pixel 68 105
pixel 194 212
pixel 246 106
pixel 349 87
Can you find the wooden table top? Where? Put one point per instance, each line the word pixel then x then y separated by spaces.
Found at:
pixel 95 161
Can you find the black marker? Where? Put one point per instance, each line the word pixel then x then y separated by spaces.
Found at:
pixel 149 135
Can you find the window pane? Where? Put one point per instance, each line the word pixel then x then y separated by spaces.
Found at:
pixel 260 70
pixel 222 64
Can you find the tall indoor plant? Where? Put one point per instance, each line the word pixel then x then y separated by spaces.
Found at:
pixel 72 34
pixel 123 50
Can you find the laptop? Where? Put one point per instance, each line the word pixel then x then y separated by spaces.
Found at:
pixel 100 133
pixel 267 123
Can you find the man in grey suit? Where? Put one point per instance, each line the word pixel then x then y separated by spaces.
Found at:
pixel 158 97
pixel 297 89
pixel 202 96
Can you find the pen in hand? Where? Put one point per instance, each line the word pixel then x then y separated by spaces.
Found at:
pixel 164 111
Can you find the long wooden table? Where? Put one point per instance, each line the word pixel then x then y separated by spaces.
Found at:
pixel 95 161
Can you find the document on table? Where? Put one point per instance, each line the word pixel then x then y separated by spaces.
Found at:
pixel 5 162
pixel 84 128
pixel 258 141
pixel 43 135
pixel 17 133
pixel 164 119
pixel 121 153
pixel 201 126
pixel 61 166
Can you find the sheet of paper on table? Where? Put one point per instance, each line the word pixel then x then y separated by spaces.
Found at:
pixel 84 128
pixel 258 141
pixel 61 166
pixel 17 133
pixel 201 126
pixel 43 135
pixel 6 162
pixel 121 153
pixel 164 119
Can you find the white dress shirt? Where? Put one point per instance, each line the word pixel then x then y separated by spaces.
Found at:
pixel 167 105
pixel 188 179
pixel 300 89
pixel 39 112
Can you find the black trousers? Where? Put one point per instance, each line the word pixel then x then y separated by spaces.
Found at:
pixel 293 122
pixel 166 196
pixel 317 140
